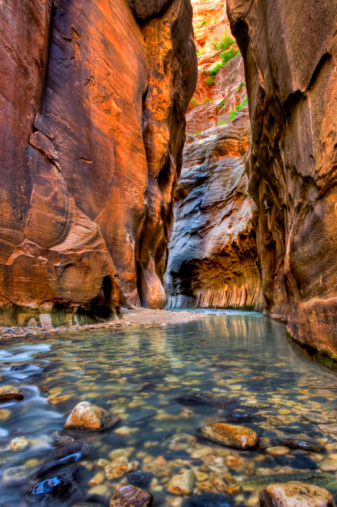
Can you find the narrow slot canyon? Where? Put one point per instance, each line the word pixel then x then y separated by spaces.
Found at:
pixel 168 253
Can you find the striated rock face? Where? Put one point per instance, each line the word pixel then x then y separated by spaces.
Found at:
pixel 213 254
pixel 212 259
pixel 92 129
pixel 290 57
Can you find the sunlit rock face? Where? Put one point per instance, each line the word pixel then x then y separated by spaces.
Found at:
pixel 92 108
pixel 290 52
pixel 212 252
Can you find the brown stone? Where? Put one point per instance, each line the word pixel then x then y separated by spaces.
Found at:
pixel 87 416
pixel 8 393
pixel 230 435
pixel 295 494
pixel 130 496
pixel 182 484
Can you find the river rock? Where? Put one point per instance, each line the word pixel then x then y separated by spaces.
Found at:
pixel 140 479
pixel 58 490
pixel 329 464
pixel 69 453
pixel 230 435
pixel 180 441
pixel 20 474
pixel 130 496
pixel 304 445
pixel 18 444
pixel 295 494
pixel 316 418
pixel 328 428
pixel 182 484
pixel 117 470
pixel 8 393
pixel 87 416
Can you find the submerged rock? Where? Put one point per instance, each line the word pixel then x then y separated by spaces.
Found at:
pixel 316 418
pixel 304 445
pixel 205 398
pixel 62 489
pixel 8 393
pixel 130 496
pixel 117 470
pixel 69 453
pixel 295 494
pixel 87 416
pixel 19 444
pixel 230 435
pixel 182 484
pixel 140 479
pixel 20 474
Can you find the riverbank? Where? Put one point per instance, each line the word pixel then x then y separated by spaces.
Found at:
pixel 140 317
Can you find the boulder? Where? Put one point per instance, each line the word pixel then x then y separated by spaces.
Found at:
pixel 87 416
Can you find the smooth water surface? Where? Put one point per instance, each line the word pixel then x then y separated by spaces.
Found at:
pixel 144 376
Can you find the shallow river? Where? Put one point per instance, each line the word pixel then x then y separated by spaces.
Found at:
pixel 147 376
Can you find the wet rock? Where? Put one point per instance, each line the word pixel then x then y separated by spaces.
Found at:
pixel 59 489
pixel 60 440
pixel 329 464
pixel 19 444
pixel 130 496
pixel 180 441
pixel 316 418
pixel 205 398
pixel 144 386
pixel 69 453
pixel 241 416
pixel 208 500
pixel 278 450
pixel 20 474
pixel 293 494
pixel 8 393
pixel 88 416
pixel 182 484
pixel 304 445
pixel 117 470
pixel 229 435
pixel 140 479
pixel 328 428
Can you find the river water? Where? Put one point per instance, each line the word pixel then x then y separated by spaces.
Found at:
pixel 146 376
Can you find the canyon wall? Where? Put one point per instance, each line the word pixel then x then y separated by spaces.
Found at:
pixel 212 252
pixel 92 104
pixel 290 53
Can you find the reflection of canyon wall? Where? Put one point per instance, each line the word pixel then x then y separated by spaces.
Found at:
pixel 212 251
pixel 92 110
pixel 290 53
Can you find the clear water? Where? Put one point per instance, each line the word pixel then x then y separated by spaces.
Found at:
pixel 263 374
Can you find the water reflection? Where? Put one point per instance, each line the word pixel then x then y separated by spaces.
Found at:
pixel 143 375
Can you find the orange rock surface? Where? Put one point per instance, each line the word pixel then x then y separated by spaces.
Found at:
pixel 290 57
pixel 92 127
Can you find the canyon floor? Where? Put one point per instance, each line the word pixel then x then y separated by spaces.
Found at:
pixel 140 317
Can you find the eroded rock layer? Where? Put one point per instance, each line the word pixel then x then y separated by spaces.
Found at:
pixel 290 53
pixel 92 110
pixel 212 252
